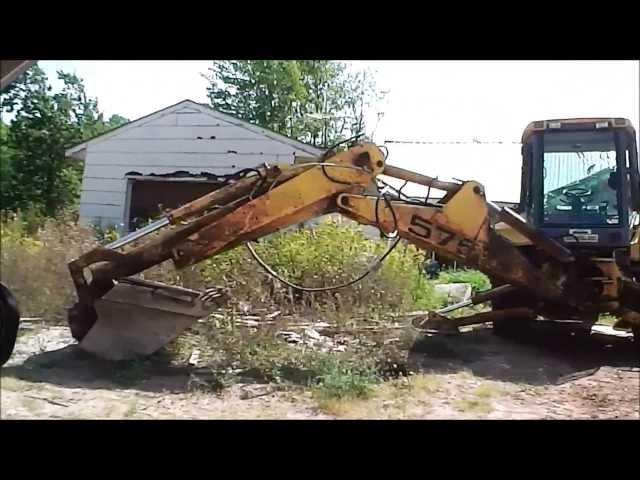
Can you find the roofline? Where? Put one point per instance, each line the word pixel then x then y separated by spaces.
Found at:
pixel 273 132
pixel 79 146
pixel 75 150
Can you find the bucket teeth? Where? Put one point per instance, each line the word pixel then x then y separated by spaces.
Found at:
pixel 136 318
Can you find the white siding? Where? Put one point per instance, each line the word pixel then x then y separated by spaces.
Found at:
pixel 185 159
pixel 91 184
pixel 174 145
pixel 166 142
pixel 167 120
pixel 195 119
pixel 103 197
pixel 187 132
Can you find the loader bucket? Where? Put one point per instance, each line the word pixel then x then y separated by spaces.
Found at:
pixel 137 318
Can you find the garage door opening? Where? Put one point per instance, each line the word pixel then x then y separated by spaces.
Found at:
pixel 150 197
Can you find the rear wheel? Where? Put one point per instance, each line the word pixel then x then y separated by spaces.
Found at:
pixel 9 322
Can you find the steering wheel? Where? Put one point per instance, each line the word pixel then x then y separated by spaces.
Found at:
pixel 576 192
pixel 575 196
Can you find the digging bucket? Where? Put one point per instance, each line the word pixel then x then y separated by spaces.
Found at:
pixel 137 318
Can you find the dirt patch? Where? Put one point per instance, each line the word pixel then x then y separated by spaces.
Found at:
pixel 549 374
pixel 474 375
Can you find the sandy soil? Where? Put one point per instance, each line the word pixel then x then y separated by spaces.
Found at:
pixel 474 375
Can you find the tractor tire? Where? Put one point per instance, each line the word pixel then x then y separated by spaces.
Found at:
pixel 9 323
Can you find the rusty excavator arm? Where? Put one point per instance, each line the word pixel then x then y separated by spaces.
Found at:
pixel 121 317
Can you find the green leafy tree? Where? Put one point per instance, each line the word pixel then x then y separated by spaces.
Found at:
pixel 6 164
pixel 315 101
pixel 35 173
pixel 116 121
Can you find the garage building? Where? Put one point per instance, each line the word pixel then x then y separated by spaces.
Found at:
pixel 168 158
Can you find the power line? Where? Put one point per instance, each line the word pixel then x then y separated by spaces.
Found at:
pixel 474 141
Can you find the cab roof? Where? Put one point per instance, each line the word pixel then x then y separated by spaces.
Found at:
pixel 569 123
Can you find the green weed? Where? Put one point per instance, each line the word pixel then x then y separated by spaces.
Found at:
pixel 478 280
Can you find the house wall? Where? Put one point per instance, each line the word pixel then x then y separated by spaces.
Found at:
pixel 186 139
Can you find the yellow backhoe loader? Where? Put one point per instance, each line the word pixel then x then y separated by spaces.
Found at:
pixel 571 251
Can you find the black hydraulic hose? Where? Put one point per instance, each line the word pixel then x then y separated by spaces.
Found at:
pixel 271 272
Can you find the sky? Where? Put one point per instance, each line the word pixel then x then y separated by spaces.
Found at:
pixel 423 101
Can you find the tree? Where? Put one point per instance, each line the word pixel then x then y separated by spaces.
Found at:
pixel 314 101
pixel 116 121
pixel 35 172
pixel 6 164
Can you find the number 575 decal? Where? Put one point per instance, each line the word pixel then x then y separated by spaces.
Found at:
pixel 423 228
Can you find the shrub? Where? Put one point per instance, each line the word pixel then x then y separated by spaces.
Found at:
pixel 331 253
pixel 261 354
pixel 104 235
pixel 34 264
pixel 478 280
pixel 345 379
pixel 35 254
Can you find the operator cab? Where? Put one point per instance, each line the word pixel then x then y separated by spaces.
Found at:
pixel 580 180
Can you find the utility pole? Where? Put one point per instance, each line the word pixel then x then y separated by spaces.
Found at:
pixel 326 116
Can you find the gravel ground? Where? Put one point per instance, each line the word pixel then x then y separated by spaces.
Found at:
pixel 474 375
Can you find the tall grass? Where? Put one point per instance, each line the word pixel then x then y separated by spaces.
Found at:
pixel 33 261
pixel 35 256
pixel 331 253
